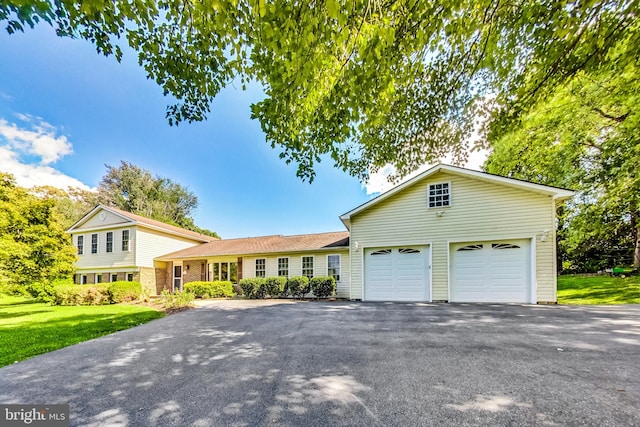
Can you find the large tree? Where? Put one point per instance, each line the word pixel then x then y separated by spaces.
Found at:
pixel 33 244
pixel 136 190
pixel 587 137
pixel 367 82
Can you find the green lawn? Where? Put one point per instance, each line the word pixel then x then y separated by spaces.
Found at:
pixel 576 289
pixel 28 327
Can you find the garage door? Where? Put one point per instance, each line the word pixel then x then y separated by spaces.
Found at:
pixel 494 271
pixel 397 274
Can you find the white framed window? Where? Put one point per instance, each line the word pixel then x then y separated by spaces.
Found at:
pixel 129 277
pixel 109 241
pixel 114 277
pixel 80 245
pixel 261 267
pixel 439 195
pixel 283 267
pixel 307 266
pixel 333 266
pixel 94 243
pixel 98 278
pixel 125 240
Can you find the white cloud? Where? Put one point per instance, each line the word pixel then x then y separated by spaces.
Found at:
pixel 379 182
pixel 40 141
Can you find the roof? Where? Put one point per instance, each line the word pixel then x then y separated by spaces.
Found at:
pixel 556 192
pixel 265 245
pixel 144 221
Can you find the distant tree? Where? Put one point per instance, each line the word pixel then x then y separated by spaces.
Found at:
pixel 586 137
pixel 366 82
pixel 71 204
pixel 33 244
pixel 136 190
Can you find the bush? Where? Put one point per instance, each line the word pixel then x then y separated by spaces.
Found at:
pixel 298 286
pixel 253 287
pixel 179 299
pixel 215 289
pixel 323 286
pixel 96 294
pixel 41 291
pixel 276 286
pixel 124 291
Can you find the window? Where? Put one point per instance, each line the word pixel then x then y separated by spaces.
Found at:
pixel 409 251
pixel 283 267
pixel 381 252
pixel 307 266
pixel 504 246
pixel 125 240
pixel 114 277
pixel 439 195
pixel 110 241
pixel 470 248
pixel 129 277
pixel 80 245
pixel 261 267
pixel 333 266
pixel 83 279
pixel 98 278
pixel 94 243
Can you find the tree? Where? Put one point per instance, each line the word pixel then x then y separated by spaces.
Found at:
pixel 366 82
pixel 33 245
pixel 70 205
pixel 136 190
pixel 586 137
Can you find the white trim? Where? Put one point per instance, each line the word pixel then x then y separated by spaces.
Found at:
pixel 533 272
pixel 449 270
pixel 557 193
pixel 313 262
pixel 449 194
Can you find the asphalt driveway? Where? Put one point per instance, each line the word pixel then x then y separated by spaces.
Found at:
pixel 256 363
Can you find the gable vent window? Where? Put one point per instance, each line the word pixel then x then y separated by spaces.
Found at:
pixel 504 246
pixel 409 251
pixel 381 252
pixel 470 248
pixel 439 195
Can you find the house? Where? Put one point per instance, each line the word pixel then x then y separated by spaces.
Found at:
pixel 117 245
pixel 448 234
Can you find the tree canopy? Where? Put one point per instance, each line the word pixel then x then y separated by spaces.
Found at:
pixel 586 137
pixel 367 82
pixel 33 245
pixel 136 190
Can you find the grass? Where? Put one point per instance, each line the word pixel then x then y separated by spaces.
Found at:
pixel 29 327
pixel 576 289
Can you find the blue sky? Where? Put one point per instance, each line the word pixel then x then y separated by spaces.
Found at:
pixel 66 111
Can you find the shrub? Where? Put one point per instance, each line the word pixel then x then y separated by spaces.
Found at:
pixel 179 299
pixel 124 291
pixel 96 294
pixel 42 291
pixel 253 287
pixel 276 286
pixel 323 286
pixel 217 289
pixel 298 286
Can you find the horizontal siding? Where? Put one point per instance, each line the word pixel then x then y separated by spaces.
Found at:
pixel 151 244
pixel 295 267
pixel 104 259
pixel 110 219
pixel 480 210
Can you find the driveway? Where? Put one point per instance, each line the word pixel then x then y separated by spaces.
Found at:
pixel 318 364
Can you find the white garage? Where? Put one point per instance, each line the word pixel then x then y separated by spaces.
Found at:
pixel 397 274
pixel 491 271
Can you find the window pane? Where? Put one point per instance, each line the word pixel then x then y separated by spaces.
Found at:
pixel 94 243
pixel 233 275
pixel 283 267
pixel 110 241
pixel 216 271
pixel 125 240
pixel 260 267
pixel 333 266
pixel 224 271
pixel 307 266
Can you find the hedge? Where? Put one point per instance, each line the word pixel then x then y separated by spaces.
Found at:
pixel 124 291
pixel 323 286
pixel 276 287
pixel 217 289
pixel 253 287
pixel 96 294
pixel 298 286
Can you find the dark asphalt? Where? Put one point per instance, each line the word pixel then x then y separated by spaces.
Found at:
pixel 364 364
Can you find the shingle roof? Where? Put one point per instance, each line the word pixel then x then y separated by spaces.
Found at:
pixel 265 244
pixel 150 222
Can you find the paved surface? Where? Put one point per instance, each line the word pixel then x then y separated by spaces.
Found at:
pixel 319 364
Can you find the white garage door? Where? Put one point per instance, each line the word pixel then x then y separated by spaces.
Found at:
pixel 494 271
pixel 397 274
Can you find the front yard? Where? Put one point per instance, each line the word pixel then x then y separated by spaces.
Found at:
pixel 29 327
pixel 577 289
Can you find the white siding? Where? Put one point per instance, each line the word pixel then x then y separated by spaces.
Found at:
pixel 109 219
pixel 150 244
pixel 480 211
pixel 104 259
pixel 295 266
